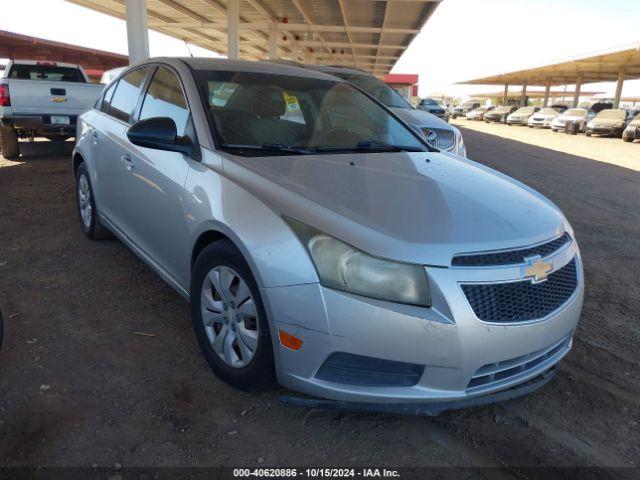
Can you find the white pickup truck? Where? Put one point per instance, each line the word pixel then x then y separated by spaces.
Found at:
pixel 42 99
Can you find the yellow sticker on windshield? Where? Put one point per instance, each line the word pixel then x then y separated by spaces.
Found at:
pixel 291 101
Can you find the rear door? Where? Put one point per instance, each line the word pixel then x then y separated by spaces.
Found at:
pixel 110 145
pixel 154 183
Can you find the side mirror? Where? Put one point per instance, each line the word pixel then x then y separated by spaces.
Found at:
pixel 159 133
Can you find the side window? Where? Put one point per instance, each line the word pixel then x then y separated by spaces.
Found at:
pixel 126 95
pixel 164 98
pixel 105 100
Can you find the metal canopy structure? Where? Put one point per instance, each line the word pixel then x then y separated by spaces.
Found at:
pixel 16 46
pixel 615 65
pixel 366 34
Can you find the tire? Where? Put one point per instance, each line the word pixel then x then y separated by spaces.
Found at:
pixel 253 371
pixel 89 220
pixel 9 143
pixel 454 116
pixel 627 138
pixel 588 134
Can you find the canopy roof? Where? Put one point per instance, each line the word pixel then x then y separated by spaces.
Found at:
pixel 601 67
pixel 535 94
pixel 22 47
pixel 368 34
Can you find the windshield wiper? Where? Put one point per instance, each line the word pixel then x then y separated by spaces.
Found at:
pixel 371 146
pixel 268 147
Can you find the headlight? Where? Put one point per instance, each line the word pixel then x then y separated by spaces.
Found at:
pixel 343 267
pixel 590 124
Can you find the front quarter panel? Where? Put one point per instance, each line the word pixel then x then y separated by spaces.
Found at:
pixel 215 203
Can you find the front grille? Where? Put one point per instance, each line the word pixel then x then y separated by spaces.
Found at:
pixel 494 374
pixel 510 257
pixel 521 301
pixel 444 138
pixel 437 112
pixel 349 369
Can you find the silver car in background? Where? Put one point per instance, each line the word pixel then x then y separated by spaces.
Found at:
pixel 437 132
pixel 322 242
pixel 581 115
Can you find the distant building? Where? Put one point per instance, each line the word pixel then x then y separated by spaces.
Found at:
pixel 405 84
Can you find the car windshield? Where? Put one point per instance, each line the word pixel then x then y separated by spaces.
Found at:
pixel 616 114
pixel 430 101
pixel 525 110
pixel 575 112
pixel 501 109
pixel 548 111
pixel 376 88
pixel 266 114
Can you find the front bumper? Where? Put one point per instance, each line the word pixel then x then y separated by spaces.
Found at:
pixel 448 340
pixel 517 121
pixel 540 123
pixel 605 130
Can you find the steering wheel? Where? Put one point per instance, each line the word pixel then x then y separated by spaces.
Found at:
pixel 335 136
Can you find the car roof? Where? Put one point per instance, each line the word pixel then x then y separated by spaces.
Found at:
pixel 223 64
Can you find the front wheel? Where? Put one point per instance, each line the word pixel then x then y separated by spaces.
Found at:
pixel 588 134
pixel 89 220
pixel 229 319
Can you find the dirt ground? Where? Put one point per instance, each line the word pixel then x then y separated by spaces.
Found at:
pixel 78 386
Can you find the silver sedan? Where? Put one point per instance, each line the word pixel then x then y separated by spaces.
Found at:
pixel 322 242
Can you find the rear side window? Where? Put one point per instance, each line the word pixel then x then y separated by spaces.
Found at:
pixel 51 73
pixel 164 98
pixel 105 100
pixel 125 98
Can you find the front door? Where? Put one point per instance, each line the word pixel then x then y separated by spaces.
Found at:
pixel 154 188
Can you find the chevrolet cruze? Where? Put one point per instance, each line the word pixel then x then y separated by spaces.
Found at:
pixel 322 242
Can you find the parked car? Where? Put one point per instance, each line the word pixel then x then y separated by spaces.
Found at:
pixel 581 115
pixel 464 108
pixel 543 118
pixel 499 114
pixel 478 113
pixel 434 107
pixel 42 99
pixel 632 130
pixel 521 115
pixel 610 122
pixel 438 133
pixel 322 242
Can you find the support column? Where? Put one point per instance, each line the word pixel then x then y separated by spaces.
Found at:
pixel 273 44
pixel 576 94
pixel 505 95
pixel 616 99
pixel 137 31
pixel 547 89
pixel 523 97
pixel 233 29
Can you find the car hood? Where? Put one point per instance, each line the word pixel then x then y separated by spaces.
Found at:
pixel 607 121
pixel 420 118
pixel 412 207
pixel 570 118
pixel 545 115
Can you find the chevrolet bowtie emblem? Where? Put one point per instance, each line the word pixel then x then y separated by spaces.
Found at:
pixel 58 99
pixel 536 269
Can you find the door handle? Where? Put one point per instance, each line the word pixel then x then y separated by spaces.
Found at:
pixel 127 162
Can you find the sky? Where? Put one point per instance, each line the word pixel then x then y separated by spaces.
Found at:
pixel 464 39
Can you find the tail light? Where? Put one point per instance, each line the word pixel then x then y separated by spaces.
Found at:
pixel 5 98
